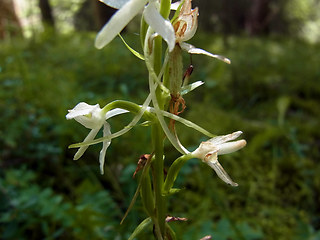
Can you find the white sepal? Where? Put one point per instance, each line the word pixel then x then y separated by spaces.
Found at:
pixel 225 138
pixel 159 24
pixel 92 134
pixel 231 147
pixel 118 21
pixel 193 50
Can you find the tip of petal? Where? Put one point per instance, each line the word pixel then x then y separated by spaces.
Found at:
pixel 234 184
pixel 227 60
pixel 100 42
pixel 236 134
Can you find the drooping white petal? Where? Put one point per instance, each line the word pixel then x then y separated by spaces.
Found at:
pixel 193 50
pixel 231 147
pixel 159 24
pixel 115 3
pixel 81 109
pixel 106 144
pixel 118 21
pixel 82 149
pixel 225 138
pixel 222 174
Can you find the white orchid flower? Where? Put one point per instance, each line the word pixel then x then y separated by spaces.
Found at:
pixel 94 118
pixel 127 11
pixel 185 27
pixel 208 152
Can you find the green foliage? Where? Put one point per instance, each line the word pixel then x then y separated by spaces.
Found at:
pixel 27 209
pixel 270 92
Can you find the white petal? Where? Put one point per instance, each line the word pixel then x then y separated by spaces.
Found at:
pixel 90 137
pixel 174 6
pixel 222 174
pixel 225 138
pixel 231 147
pixel 93 121
pixel 115 112
pixel 106 144
pixel 88 122
pixel 159 24
pixel 193 50
pixel 118 21
pixel 81 109
pixel 115 3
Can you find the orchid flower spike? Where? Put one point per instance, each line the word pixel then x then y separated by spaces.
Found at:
pixel 208 152
pixel 127 11
pixel 185 26
pixel 94 118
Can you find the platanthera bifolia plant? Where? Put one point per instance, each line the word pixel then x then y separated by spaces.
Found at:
pixel 168 83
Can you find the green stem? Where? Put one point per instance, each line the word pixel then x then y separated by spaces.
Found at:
pixel 158 177
pixel 157 133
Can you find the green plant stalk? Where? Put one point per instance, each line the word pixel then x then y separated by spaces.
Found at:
pixel 154 58
pixel 157 133
pixel 158 177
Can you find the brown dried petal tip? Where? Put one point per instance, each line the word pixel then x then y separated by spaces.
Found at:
pixel 141 163
pixel 172 219
pixel 206 238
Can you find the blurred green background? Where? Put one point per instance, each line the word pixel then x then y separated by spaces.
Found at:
pixel 271 92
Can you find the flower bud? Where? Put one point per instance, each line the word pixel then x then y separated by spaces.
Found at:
pixel 186 24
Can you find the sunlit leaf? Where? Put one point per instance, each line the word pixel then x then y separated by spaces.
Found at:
pixel 143 225
pixel 190 87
